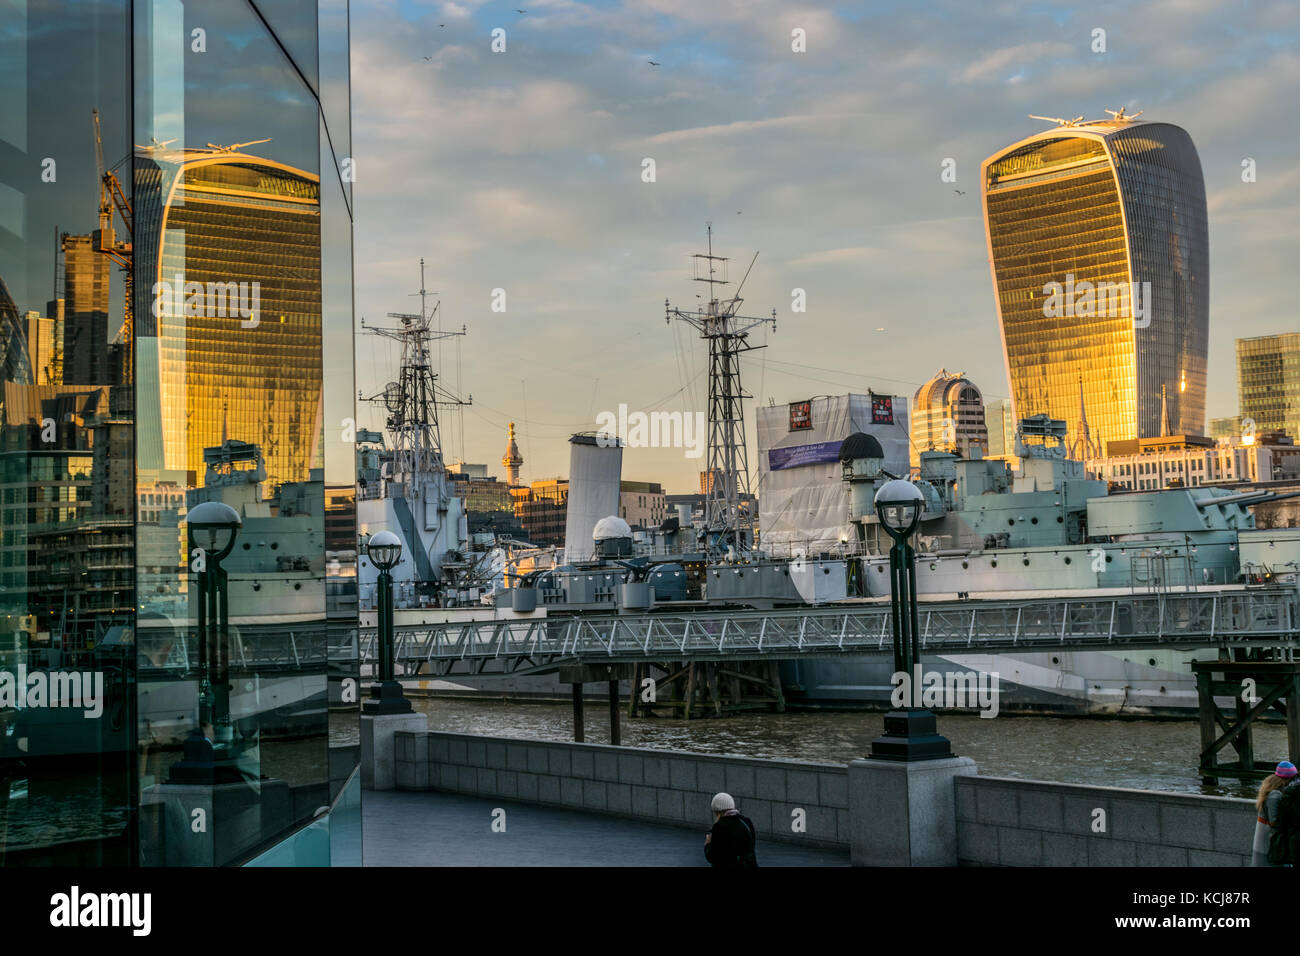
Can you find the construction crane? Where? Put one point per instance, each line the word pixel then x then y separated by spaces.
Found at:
pixel 113 197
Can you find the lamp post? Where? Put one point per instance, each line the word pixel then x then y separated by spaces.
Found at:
pixel 213 527
pixel 910 732
pixel 385 550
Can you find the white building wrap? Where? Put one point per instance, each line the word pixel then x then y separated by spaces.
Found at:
pixel 803 503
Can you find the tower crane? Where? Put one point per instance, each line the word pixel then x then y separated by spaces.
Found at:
pixel 105 241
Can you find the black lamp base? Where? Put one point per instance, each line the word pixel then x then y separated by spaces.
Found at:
pixel 386 697
pixel 910 735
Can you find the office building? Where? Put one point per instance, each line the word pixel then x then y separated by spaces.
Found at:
pixel 1099 254
pixel 641 503
pixel 948 415
pixel 1225 427
pixel 242 238
pixel 85 325
pixel 541 509
pixel 1187 461
pixel 1268 382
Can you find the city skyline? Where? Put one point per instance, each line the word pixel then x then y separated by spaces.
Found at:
pixel 538 190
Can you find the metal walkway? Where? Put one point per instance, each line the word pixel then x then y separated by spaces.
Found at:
pixel 1255 617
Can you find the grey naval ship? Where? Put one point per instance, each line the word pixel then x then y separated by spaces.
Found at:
pixel 1044 530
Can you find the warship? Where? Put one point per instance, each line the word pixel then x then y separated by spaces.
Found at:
pixel 987 532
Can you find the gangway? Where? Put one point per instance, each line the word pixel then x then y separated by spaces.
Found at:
pixel 1251 617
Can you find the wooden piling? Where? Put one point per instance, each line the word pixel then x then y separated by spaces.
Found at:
pixel 615 731
pixel 579 734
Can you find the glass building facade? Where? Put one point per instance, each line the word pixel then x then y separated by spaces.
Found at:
pixel 1079 220
pixel 1268 382
pixel 178 664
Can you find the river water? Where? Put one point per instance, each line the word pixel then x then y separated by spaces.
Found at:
pixel 1141 754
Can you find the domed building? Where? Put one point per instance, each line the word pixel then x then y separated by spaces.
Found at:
pixel 948 415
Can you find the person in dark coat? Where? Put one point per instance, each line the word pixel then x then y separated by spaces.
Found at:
pixel 731 841
pixel 1284 843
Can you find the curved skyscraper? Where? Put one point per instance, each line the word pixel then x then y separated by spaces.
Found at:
pixel 1100 259
pixel 231 224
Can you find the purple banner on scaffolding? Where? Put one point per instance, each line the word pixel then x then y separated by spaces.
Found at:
pixel 778 458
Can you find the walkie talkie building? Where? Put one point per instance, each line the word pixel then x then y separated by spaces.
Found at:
pixel 1100 259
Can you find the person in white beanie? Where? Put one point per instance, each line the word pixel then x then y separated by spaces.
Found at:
pixel 731 841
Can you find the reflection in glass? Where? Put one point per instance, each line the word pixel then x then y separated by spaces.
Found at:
pixel 66 431
pixel 166 688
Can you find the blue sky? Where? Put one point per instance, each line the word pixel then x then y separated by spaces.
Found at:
pixel 521 170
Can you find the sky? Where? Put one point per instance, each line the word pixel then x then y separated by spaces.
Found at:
pixel 523 171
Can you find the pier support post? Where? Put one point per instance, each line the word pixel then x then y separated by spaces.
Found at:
pixel 904 813
pixel 615 727
pixel 579 733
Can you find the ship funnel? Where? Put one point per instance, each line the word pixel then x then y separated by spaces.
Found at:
pixel 595 469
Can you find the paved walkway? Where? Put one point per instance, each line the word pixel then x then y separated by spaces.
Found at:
pixel 448 829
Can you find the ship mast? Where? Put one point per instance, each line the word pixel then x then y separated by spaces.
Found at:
pixel 412 400
pixel 719 323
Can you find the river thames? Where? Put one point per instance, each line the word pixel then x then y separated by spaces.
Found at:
pixel 1141 754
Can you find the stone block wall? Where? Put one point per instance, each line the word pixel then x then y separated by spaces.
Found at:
pixel 655 785
pixel 1005 822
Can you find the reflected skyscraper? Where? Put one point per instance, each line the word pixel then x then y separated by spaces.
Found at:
pixel 233 269
pixel 1099 253
pixel 15 360
pixel 85 326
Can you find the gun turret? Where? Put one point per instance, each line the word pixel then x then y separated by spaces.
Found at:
pixel 1243 498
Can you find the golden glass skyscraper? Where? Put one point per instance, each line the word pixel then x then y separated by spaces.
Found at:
pixel 230 319
pixel 1100 258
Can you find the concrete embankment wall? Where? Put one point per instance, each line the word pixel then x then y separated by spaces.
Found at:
pixel 1005 822
pixel 999 821
pixel 654 785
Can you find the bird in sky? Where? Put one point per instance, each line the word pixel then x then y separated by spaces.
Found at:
pixel 442 24
pixel 959 192
pixel 428 58
pixel 652 62
pixel 517 10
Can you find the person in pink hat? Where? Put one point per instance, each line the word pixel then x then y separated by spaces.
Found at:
pixel 1270 795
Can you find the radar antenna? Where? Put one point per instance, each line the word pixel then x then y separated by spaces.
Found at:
pixel 412 401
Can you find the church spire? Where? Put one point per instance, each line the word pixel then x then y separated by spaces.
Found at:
pixel 1084 447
